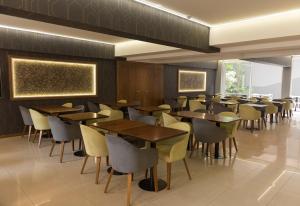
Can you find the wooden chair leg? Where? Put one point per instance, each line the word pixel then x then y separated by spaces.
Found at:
pixel 169 167
pixel 235 144
pixel 40 138
pixel 62 148
pixel 252 126
pixel 84 163
pixel 203 146
pixel 52 148
pixel 230 147
pixel 35 134
pixel 107 161
pixel 98 162
pixel 129 182
pixel 193 149
pixel 29 133
pixel 108 180
pixel 211 153
pixel 73 145
pixel 155 178
pixel 224 148
pixel 239 125
pixel 259 124
pixel 187 169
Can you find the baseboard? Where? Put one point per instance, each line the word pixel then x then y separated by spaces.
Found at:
pixel 10 135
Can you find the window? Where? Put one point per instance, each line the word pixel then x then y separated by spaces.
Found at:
pixel 296 76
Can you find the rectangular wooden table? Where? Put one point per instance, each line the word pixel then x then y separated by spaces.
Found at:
pixel 150 109
pixel 54 109
pixel 144 132
pixel 210 117
pixel 82 116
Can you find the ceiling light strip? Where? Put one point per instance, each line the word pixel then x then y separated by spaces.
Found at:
pixel 53 34
pixel 171 11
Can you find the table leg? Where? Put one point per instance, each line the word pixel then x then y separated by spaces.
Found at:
pixel 217 146
pixel 148 184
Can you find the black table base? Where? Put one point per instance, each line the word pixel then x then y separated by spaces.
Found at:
pixel 80 153
pixel 115 172
pixel 148 184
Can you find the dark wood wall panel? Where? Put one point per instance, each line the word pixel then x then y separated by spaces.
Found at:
pixel 124 18
pixel 171 81
pixel 34 42
pixel 140 82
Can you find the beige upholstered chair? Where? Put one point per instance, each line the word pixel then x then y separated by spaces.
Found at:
pixel 123 101
pixel 69 105
pixel 104 107
pixel 249 113
pixel 182 101
pixel 195 105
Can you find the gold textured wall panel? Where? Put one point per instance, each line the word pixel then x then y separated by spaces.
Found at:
pixel 36 78
pixel 191 81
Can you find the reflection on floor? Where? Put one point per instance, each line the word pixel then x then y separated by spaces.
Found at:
pixel 266 171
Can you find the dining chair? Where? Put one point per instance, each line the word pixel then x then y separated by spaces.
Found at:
pixel 126 158
pixel 218 108
pixel 92 107
pixel 271 111
pixel 201 97
pixel 80 107
pixel 249 113
pixel 174 149
pixel 234 107
pixel 40 123
pixel 288 107
pixel 133 113
pixel 182 102
pixel 69 105
pixel 95 146
pixel 231 130
pixel 26 120
pixel 208 133
pixel 122 101
pixel 195 105
pixel 63 133
pixel 104 107
pixel 158 114
pixel 168 119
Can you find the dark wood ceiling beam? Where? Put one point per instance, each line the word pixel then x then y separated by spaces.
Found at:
pixel 124 18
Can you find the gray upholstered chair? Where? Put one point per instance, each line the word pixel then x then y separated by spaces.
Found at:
pixel 126 158
pixel 147 120
pixel 134 114
pixel 63 132
pixel 26 120
pixel 208 133
pixel 81 107
pixel 218 108
pixel 92 107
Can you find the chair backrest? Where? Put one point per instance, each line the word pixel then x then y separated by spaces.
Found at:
pixel 271 108
pixel 182 100
pixel 104 107
pixel 218 108
pixel 207 132
pixel 133 113
pixel 92 107
pixel 39 120
pixel 125 157
pixel 231 127
pixel 196 104
pixel 123 101
pixel 112 115
pixel 168 119
pixel 147 120
pixel 26 116
pixel 95 143
pixel 247 112
pixel 69 104
pixel 63 131
pixel 288 105
pixel 80 107
pixel 165 106
pixel 178 151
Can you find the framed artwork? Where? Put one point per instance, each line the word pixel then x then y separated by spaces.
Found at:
pixel 191 81
pixel 32 78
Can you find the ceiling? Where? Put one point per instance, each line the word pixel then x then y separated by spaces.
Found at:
pixel 223 11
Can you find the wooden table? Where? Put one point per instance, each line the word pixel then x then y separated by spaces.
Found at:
pixel 150 109
pixel 152 134
pixel 82 117
pixel 144 132
pixel 54 109
pixel 117 126
pixel 218 119
pixel 210 117
pixel 122 106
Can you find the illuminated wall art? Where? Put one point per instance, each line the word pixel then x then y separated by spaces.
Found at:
pixel 191 81
pixel 37 78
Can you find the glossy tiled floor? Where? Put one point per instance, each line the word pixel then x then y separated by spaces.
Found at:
pixel 266 171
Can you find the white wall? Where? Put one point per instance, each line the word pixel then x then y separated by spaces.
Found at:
pixel 296 76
